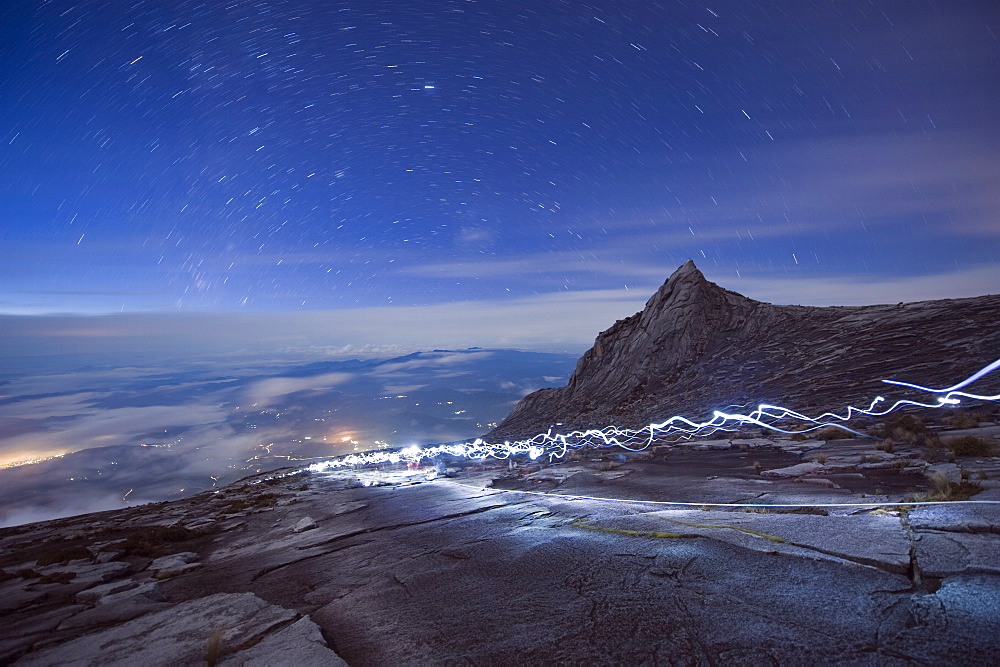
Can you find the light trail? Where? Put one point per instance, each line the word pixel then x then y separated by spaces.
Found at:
pixel 674 429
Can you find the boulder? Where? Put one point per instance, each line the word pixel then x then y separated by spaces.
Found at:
pixel 174 564
pixel 796 470
pixel 304 524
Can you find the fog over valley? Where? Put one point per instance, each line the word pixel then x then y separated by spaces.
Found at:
pixel 97 438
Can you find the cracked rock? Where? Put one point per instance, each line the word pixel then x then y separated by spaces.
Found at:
pixel 301 643
pixel 183 633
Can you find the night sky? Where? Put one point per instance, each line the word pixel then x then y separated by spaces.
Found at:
pixel 310 155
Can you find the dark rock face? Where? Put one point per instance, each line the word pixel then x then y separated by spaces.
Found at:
pixel 698 347
pixel 404 570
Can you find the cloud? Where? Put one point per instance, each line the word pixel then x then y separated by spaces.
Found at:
pixel 403 388
pixel 556 321
pixel 949 180
pixel 555 264
pixel 264 392
pixel 58 510
pixel 433 361
pixel 99 427
pixel 852 290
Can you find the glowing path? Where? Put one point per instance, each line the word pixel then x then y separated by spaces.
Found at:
pixel 557 445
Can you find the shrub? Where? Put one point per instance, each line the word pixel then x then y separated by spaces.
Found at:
pixel 214 647
pixel 942 489
pixel 818 511
pixel 970 445
pixel 832 433
pixel 146 542
pixel 908 428
pixel 64 556
pixel 251 502
pixel 58 578
pixel 964 419
pixel 886 446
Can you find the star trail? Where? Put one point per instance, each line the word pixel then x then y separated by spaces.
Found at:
pixel 278 156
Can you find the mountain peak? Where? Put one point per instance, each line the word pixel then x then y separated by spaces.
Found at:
pixel 685 285
pixel 684 269
pixel 686 273
pixel 697 346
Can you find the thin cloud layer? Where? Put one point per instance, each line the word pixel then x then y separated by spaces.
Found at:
pixel 565 321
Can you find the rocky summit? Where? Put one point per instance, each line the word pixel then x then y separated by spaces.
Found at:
pixel 501 562
pixel 697 347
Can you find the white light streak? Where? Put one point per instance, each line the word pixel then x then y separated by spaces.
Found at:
pixel 676 428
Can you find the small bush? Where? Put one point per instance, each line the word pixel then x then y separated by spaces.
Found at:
pixel 909 429
pixel 832 433
pixel 64 556
pixel 970 445
pixel 887 446
pixel 58 578
pixel 757 467
pixel 937 453
pixel 963 420
pixel 818 511
pixel 943 489
pixel 798 437
pixel 251 502
pixel 146 542
pixel 214 647
pixel 820 459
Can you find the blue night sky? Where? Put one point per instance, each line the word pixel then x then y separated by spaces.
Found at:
pixel 393 158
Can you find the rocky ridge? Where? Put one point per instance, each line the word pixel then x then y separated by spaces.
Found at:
pixel 408 566
pixel 696 347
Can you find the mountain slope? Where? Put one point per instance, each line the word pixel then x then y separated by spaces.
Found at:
pixel 698 347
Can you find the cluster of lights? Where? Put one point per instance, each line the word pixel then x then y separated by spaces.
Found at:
pixel 557 445
pixel 29 461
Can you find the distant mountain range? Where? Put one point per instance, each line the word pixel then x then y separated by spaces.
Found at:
pixel 698 347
